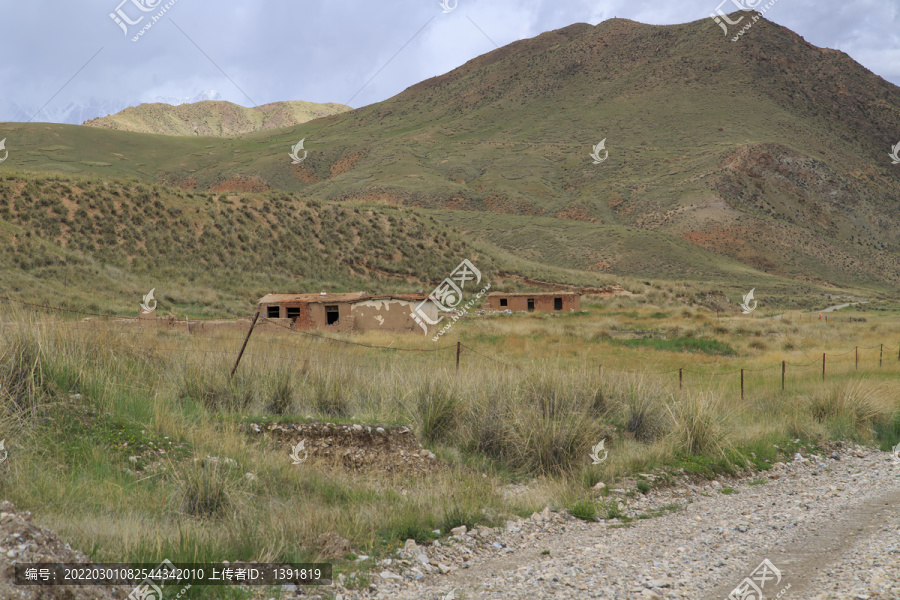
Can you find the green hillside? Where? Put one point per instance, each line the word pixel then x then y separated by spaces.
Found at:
pixel 98 245
pixel 770 152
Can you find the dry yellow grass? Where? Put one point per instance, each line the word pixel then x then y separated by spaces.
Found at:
pixel 527 404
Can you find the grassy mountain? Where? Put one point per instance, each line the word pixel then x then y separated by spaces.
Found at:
pixel 97 245
pixel 214 118
pixel 767 153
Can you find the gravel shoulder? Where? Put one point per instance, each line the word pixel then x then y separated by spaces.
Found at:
pixel 829 526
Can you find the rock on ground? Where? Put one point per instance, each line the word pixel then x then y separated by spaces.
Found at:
pixel 829 527
pixel 23 542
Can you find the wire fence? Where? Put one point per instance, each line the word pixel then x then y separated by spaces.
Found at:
pixel 887 355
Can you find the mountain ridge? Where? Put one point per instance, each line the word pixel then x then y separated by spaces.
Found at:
pixel 217 118
pixel 768 151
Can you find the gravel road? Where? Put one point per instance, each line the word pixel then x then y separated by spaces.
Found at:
pixel 827 525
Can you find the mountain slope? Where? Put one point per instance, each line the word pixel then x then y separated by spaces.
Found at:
pixel 214 118
pixel 91 243
pixel 767 151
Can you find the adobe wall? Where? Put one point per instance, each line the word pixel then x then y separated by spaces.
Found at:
pixel 369 315
pixel 388 315
pixel 319 319
pixel 542 303
pixel 304 319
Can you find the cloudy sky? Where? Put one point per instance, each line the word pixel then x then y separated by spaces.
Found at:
pixel 72 61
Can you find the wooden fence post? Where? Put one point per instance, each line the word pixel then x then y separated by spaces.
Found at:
pixel 857 358
pixel 600 374
pixel 458 348
pixel 782 375
pixel 823 367
pixel 742 384
pixel 246 339
pixel 679 379
pixel 880 355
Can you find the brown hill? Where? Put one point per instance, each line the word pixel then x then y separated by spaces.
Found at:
pixel 214 118
pixel 768 151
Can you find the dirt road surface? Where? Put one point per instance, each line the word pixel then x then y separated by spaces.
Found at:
pixel 828 525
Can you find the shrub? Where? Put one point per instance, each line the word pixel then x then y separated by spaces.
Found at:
pixel 216 390
pixel 697 425
pixel 585 509
pixel 21 371
pixel 281 391
pixel 486 429
pixel 855 406
pixel 205 487
pixel 552 436
pixel 329 395
pixel 638 402
pixel 437 409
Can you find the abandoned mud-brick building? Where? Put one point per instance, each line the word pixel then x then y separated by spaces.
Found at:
pixel 541 302
pixel 349 312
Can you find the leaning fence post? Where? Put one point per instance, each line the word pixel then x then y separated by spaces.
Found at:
pixel 246 339
pixel 458 347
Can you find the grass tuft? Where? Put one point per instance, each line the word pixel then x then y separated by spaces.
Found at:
pixel 437 410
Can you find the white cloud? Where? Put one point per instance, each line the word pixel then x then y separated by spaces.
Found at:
pixel 326 51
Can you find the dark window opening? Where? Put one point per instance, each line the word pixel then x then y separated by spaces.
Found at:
pixel 331 315
pixel 273 312
pixel 293 312
pixel 557 304
pixel 503 302
pixel 531 304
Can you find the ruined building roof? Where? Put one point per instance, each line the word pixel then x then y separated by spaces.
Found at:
pixel 336 298
pixel 534 294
